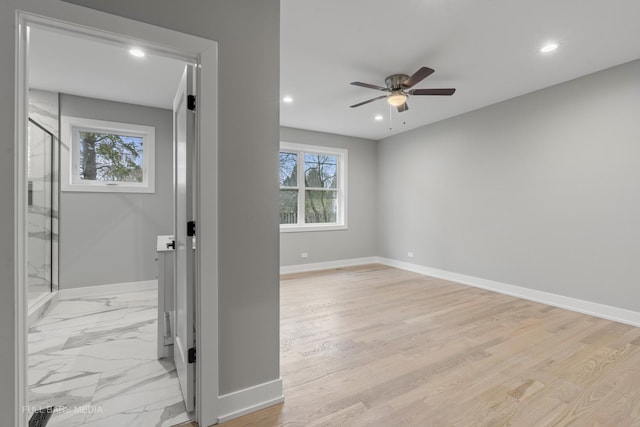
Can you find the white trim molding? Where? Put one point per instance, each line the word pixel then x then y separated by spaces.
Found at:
pixel 250 399
pixel 328 265
pixel 608 312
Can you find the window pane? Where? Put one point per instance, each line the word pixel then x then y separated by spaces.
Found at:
pixel 288 206
pixel 110 157
pixel 320 171
pixel 320 206
pixel 288 169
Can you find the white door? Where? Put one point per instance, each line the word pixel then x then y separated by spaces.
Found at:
pixel 184 232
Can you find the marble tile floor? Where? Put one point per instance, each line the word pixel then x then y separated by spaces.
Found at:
pixel 96 358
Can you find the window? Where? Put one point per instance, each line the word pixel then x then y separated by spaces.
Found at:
pixel 98 155
pixel 312 188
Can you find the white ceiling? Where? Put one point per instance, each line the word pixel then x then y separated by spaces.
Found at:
pixel 487 49
pixel 70 64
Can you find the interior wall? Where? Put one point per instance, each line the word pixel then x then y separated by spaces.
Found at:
pixel 359 239
pixel 540 191
pixel 108 238
pixel 10 354
pixel 248 37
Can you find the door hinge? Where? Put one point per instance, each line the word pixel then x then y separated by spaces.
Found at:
pixel 191 228
pixel 192 355
pixel 191 102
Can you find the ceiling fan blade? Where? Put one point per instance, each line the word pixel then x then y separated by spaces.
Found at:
pixel 431 91
pixel 403 107
pixel 370 86
pixel 368 101
pixel 418 76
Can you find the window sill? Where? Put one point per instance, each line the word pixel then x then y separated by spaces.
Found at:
pixel 311 227
pixel 107 188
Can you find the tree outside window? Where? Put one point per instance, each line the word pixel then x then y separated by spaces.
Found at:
pixel 102 156
pixel 311 186
pixel 110 157
pixel 320 180
pixel 288 188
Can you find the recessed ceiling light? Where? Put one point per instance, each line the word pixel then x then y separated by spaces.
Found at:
pixel 287 99
pixel 549 47
pixel 138 53
pixel 378 117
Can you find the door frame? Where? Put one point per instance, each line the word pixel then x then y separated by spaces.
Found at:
pixel 204 53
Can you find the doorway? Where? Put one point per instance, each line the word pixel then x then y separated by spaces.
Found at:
pixel 116 197
pixel 169 44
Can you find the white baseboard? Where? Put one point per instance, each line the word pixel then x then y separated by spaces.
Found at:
pixel 302 268
pixel 250 399
pixel 117 288
pixel 608 312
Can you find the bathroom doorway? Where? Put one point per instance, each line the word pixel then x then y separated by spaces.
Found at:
pixel 113 30
pixel 92 353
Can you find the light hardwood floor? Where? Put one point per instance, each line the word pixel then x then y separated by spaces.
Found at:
pixel 377 346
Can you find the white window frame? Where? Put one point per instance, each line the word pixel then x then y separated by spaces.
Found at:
pixel 341 192
pixel 70 154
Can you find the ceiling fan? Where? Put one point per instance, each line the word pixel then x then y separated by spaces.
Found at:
pixel 397 85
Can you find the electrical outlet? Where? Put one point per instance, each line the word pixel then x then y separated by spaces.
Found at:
pixel 304 254
pixel 410 254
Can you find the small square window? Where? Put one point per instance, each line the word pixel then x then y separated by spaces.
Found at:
pixel 106 156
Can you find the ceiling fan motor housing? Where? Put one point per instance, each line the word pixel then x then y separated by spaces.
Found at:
pixel 396 81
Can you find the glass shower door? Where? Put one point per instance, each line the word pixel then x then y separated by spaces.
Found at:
pixel 40 214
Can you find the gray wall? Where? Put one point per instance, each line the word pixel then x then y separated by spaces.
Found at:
pixel 248 39
pixel 359 239
pixel 248 36
pixel 540 191
pixel 101 230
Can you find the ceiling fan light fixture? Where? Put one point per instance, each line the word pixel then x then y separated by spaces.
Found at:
pixel 396 98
